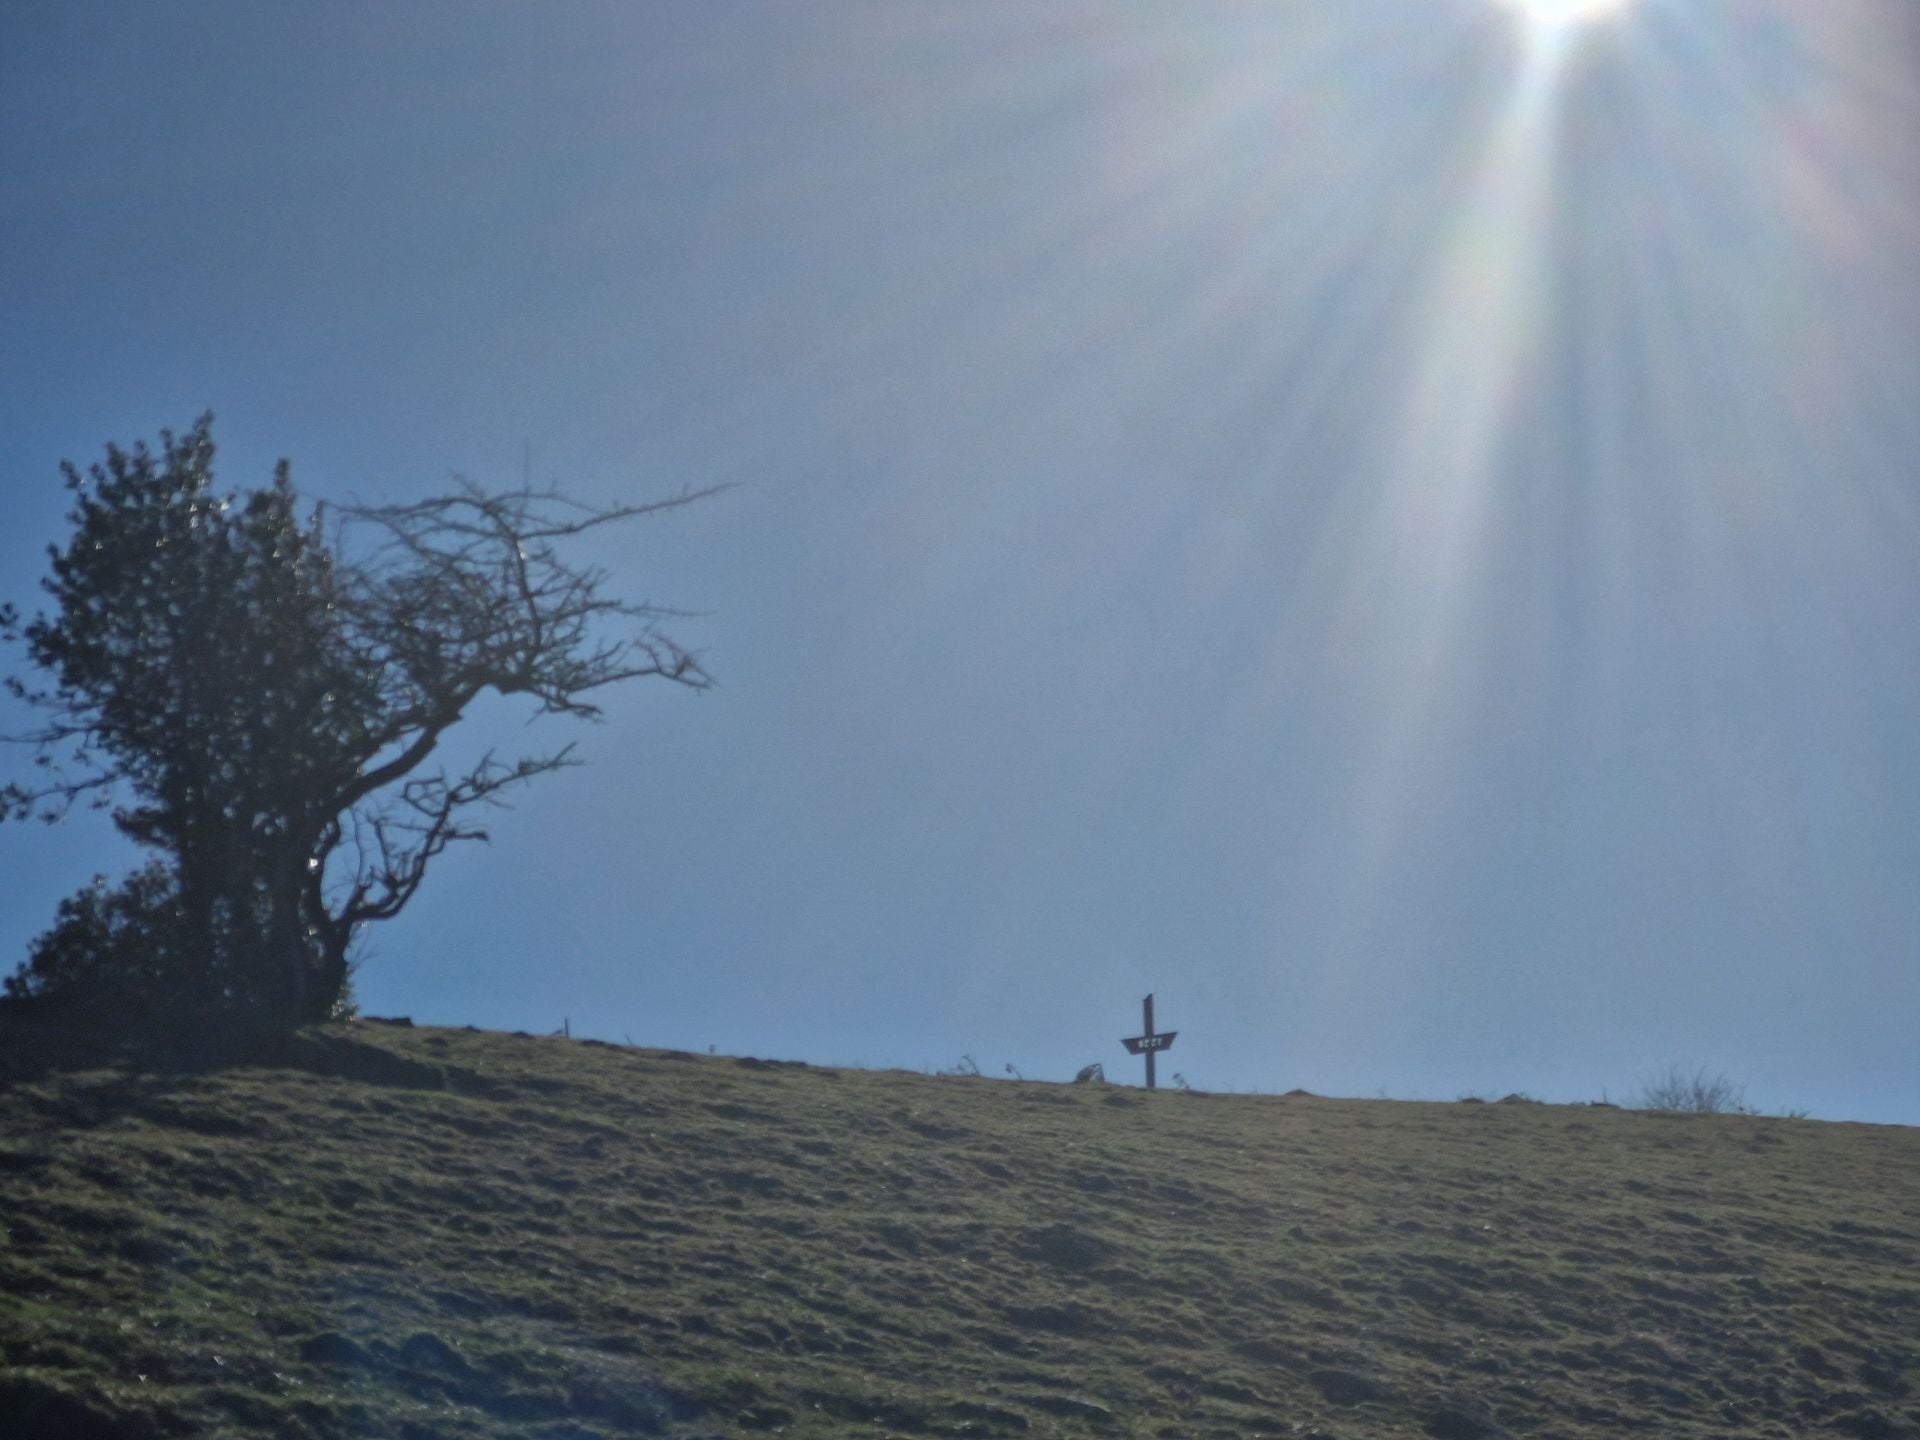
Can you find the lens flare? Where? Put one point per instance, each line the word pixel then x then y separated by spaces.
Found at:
pixel 1557 15
pixel 1549 28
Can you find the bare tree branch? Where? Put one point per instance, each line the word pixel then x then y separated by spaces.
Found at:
pixel 267 698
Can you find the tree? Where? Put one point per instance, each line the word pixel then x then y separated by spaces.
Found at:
pixel 261 700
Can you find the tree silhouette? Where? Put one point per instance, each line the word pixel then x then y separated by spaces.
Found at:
pixel 261 700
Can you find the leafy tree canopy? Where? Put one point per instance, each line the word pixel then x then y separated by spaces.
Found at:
pixel 260 699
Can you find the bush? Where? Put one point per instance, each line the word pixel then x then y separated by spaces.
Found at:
pixel 1697 1092
pixel 120 960
pixel 112 950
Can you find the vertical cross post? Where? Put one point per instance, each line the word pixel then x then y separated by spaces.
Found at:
pixel 1146 1028
pixel 1150 1043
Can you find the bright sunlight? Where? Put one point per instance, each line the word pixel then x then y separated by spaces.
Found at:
pixel 1547 26
pixel 1556 15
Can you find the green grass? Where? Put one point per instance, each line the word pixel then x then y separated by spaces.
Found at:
pixel 418 1233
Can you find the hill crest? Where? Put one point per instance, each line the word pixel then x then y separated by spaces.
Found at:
pixel 414 1233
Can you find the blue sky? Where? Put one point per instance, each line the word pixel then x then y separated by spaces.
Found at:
pixel 1391 524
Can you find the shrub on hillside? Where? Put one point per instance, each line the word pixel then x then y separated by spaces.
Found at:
pixel 113 951
pixel 1680 1091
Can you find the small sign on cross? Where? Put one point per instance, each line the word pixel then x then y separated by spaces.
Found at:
pixel 1150 1043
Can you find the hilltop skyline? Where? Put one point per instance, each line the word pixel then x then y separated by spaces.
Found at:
pixel 1388 525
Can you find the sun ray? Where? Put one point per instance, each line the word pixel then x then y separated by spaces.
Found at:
pixel 1564 14
pixel 1414 592
pixel 1549 27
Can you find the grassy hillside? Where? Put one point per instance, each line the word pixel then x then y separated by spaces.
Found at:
pixel 418 1233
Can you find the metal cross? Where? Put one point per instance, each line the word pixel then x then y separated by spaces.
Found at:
pixel 1149 1044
